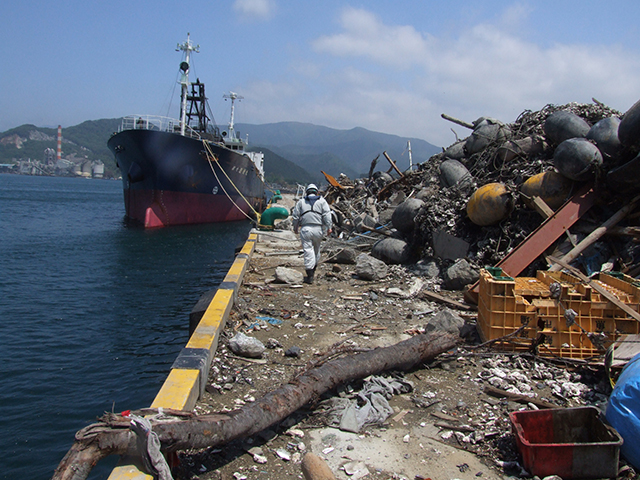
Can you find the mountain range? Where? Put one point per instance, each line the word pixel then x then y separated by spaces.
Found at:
pixel 294 152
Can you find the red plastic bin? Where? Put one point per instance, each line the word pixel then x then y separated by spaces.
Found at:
pixel 568 442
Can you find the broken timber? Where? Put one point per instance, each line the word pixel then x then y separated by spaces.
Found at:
pixel 393 164
pixel 542 237
pixel 515 397
pixel 601 290
pixel 376 230
pixel 442 299
pixel 596 234
pixel 462 123
pixel 382 193
pixel 98 441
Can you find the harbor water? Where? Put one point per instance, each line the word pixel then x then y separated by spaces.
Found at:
pixel 93 312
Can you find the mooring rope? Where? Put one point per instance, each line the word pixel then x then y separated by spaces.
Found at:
pixel 211 158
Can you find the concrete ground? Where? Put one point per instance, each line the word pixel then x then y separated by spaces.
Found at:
pixel 317 317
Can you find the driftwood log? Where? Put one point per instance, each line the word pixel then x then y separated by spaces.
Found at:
pixel 100 440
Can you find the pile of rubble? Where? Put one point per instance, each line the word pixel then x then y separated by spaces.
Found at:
pixel 475 200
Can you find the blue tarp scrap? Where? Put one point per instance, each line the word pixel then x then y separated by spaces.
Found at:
pixel 271 320
pixel 623 410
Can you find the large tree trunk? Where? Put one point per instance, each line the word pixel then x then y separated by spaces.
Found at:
pixel 216 429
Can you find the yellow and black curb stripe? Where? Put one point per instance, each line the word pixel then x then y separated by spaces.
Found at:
pixel 188 376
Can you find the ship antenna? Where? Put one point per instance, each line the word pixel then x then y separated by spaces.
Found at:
pixel 233 96
pixel 187 47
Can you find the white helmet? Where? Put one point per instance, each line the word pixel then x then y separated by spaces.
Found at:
pixel 311 188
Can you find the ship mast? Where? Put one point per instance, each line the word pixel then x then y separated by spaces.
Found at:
pixel 233 96
pixel 187 47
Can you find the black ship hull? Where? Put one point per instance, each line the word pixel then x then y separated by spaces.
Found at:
pixel 170 179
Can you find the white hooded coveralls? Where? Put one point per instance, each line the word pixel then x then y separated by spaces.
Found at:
pixel 312 217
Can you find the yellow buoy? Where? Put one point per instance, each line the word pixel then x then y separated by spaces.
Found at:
pixel 550 186
pixel 490 204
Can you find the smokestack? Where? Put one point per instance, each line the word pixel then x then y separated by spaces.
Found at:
pixel 59 142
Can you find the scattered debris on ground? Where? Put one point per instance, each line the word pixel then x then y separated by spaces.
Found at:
pixel 405 249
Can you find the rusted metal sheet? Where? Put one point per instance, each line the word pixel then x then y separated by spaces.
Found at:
pixel 542 237
pixel 332 181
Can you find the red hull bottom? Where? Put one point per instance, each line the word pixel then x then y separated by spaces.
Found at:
pixel 161 208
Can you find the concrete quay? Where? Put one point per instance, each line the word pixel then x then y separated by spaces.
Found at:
pixel 333 310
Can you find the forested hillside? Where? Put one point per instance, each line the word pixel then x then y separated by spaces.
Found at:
pixel 294 152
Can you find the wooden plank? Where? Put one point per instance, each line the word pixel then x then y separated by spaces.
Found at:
pixel 497 392
pixel 283 252
pixel 375 230
pixel 597 287
pixel 393 164
pixel 596 234
pixel 626 347
pixel 541 207
pixel 457 428
pixel 457 121
pixel 442 299
pixel 390 185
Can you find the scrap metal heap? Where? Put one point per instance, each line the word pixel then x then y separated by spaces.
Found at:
pixel 481 189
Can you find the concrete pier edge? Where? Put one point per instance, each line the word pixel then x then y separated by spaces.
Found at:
pixel 188 376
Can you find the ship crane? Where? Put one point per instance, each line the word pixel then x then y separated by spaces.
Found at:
pixel 233 97
pixel 187 47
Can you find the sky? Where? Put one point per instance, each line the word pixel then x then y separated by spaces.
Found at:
pixel 388 66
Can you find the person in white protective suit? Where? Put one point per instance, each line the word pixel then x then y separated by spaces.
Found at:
pixel 312 218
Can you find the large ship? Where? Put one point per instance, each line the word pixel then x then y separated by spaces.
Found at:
pixel 177 172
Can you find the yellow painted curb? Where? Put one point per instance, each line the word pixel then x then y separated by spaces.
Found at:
pixel 213 320
pixel 180 391
pixel 236 272
pixel 128 472
pixel 182 387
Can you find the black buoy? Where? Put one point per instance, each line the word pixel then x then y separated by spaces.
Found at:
pixel 605 134
pixel 577 159
pixel 629 128
pixel 563 125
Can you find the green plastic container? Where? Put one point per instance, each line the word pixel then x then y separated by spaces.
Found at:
pixel 498 274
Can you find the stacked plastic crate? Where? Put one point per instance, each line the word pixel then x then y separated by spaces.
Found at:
pixel 555 312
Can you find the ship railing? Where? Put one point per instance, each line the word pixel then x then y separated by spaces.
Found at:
pixel 156 123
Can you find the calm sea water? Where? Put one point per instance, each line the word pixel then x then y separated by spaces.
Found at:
pixel 92 313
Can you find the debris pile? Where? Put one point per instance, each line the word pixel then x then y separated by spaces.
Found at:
pixel 481 197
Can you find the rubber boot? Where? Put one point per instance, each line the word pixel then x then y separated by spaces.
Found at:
pixel 309 278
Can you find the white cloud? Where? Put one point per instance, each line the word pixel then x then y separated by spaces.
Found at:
pixel 487 70
pixel 365 35
pixel 515 16
pixel 258 9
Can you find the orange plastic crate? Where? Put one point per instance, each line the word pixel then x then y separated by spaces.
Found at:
pixel 502 311
pixel 506 304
